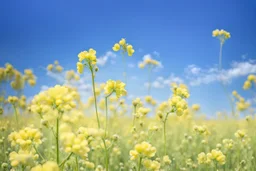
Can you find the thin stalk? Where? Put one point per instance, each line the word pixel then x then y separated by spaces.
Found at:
pixel 94 94
pixel 77 165
pixel 106 155
pixel 165 138
pixel 57 141
pixel 16 114
pixel 66 159
pixel 223 86
pixel 165 132
pixel 220 56
pixel 140 164
pixel 106 108
pixel 39 153
pixel 124 62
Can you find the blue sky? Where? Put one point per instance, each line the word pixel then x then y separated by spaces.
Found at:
pixel 35 33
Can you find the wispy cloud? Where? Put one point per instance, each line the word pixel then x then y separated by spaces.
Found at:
pixel 197 76
pixel 101 61
pixel 162 82
pixel 130 65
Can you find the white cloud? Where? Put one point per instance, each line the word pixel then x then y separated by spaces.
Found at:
pixel 198 76
pixel 131 65
pixel 101 61
pixel 162 82
pixel 157 54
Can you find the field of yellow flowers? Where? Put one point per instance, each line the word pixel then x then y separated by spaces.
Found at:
pixel 57 131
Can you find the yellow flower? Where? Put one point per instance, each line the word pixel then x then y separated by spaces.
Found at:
pixel 122 42
pixel 143 149
pixel 48 166
pixel 247 85
pixel 196 107
pixel 115 86
pixel 116 47
pixel 89 57
pixel 80 67
pixel 125 47
pixel 167 160
pixel 251 77
pixel 222 35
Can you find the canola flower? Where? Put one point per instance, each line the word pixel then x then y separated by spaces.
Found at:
pixel 55 67
pixel 47 166
pixel 125 48
pixel 66 137
pixel 141 151
pixel 88 59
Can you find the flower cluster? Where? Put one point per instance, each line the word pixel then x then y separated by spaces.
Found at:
pixel 47 166
pixel 222 35
pixel 71 75
pixel 29 77
pixel 201 130
pixel 228 143
pixel 57 97
pixel 125 47
pixel 25 138
pixel 144 150
pixel 216 155
pixel 150 100
pixel 75 143
pixel 25 158
pixel 148 61
pixel 249 82
pixel 180 90
pixel 86 59
pixel 241 104
pixel 151 165
pixel 117 87
pixel 179 105
pixel 55 67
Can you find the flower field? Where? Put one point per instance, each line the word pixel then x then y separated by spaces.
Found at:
pixel 56 130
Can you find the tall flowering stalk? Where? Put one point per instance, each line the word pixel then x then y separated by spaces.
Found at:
pixel 89 60
pixel 111 87
pixel 150 64
pixel 223 35
pixel 176 104
pixel 56 99
pixel 124 48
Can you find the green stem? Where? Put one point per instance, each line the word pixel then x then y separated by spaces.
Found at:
pixel 164 137
pixel 106 155
pixel 106 108
pixel 39 153
pixel 165 119
pixel 57 141
pixel 16 114
pixel 124 62
pixel 223 86
pixel 220 56
pixel 66 159
pixel 77 165
pixel 140 163
pixel 94 94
